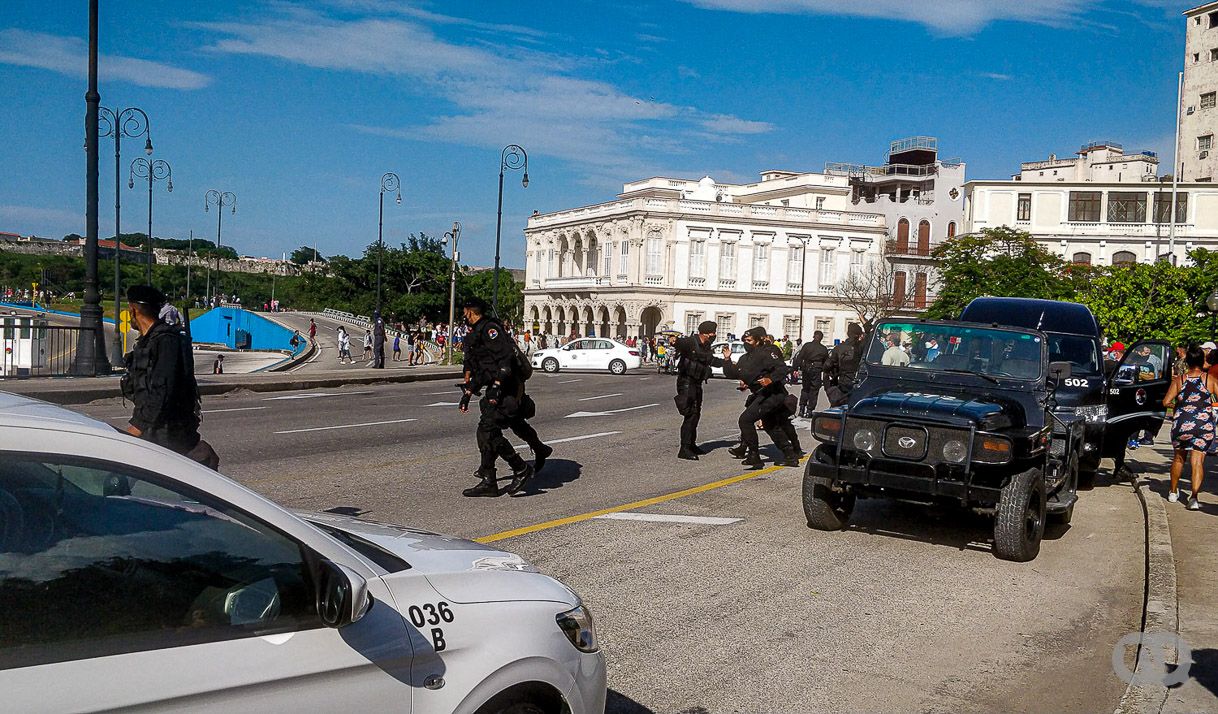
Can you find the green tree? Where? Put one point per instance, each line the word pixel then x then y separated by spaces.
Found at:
pixel 482 284
pixel 305 254
pixel 1000 262
pixel 1141 301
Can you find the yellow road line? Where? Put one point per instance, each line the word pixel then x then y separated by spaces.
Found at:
pixel 504 535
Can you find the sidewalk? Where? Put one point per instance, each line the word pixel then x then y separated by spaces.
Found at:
pixel 81 390
pixel 1194 538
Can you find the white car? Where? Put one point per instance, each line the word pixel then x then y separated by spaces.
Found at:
pixel 132 577
pixel 717 350
pixel 589 353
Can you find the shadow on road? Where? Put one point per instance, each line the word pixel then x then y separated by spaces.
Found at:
pixel 556 473
pixel 1205 669
pixel 1161 472
pixel 350 511
pixel 618 703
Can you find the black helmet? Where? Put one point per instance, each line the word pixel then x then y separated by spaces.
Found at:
pixel 146 295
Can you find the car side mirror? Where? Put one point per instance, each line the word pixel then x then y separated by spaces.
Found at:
pixel 342 595
pixel 1059 370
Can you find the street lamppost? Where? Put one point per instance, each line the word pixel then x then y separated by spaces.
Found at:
pixel 219 199
pixel 391 183
pixel 153 170
pixel 803 279
pixel 91 342
pixel 132 123
pixel 455 237
pixel 1211 304
pixel 515 158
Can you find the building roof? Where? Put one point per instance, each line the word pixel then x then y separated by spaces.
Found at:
pixel 1201 8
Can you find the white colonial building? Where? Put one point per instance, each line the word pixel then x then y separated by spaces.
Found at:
pixel 670 253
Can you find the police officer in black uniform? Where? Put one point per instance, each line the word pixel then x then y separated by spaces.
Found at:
pixel 693 370
pixel 491 367
pixel 843 365
pixel 810 361
pixel 160 378
pixel 762 372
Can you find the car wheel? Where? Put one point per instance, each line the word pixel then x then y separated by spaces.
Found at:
pixel 1019 522
pixel 1069 490
pixel 617 367
pixel 825 508
pixel 550 365
pixel 522 708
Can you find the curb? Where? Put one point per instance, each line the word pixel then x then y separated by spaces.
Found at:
pixel 1160 609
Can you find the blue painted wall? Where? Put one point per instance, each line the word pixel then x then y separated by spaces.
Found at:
pixel 225 325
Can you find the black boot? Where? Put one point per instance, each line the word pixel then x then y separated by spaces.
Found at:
pixel 486 487
pixel 790 456
pixel 519 476
pixel 540 454
pixel 687 454
pixel 752 460
pixel 697 449
pixel 739 451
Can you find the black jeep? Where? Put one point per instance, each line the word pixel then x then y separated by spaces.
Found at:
pixel 951 412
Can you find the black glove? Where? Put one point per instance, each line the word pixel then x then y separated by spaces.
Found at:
pixel 493 393
pixel 463 405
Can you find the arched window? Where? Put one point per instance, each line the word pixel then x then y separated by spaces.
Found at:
pixel 951 229
pixel 902 236
pixel 1123 257
pixel 1081 258
pixel 924 238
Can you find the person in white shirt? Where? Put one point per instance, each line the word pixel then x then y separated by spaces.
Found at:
pixel 894 356
pixel 344 346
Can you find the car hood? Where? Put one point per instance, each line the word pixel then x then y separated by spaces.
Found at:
pixel 460 570
pixel 988 414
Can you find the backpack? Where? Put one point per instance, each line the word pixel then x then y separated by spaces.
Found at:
pixel 523 367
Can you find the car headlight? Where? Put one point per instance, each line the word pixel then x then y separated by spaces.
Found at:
pixel 864 440
pixel 827 428
pixel 578 626
pixel 992 449
pixel 955 451
pixel 1093 413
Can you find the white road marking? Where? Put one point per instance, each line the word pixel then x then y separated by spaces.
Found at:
pixel 644 379
pixel 607 413
pixel 315 395
pixel 346 426
pixel 664 518
pixel 571 438
pixel 571 381
pixel 233 409
pixel 603 396
pixel 443 404
pixel 439 394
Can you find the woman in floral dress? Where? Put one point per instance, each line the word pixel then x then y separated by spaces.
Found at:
pixel 1192 431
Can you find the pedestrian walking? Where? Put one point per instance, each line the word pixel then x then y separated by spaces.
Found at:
pixel 378 344
pixel 344 346
pixel 1192 432
pixel 762 374
pixel 160 381
pixel 217 366
pixel 494 366
pixel 312 330
pixel 843 365
pixel 810 361
pixel 397 347
pixel 368 346
pixel 693 370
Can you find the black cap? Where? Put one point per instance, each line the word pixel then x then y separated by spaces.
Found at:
pixel 145 295
pixel 757 333
pixel 476 303
pixel 854 330
pixel 708 328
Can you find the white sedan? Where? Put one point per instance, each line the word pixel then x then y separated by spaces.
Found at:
pixel 132 577
pixel 589 353
pixel 717 350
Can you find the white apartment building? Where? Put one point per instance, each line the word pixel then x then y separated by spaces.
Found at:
pixel 1103 161
pixel 1199 96
pixel 670 253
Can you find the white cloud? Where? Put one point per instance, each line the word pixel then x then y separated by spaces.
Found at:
pixel 998 76
pixel 499 94
pixel 70 56
pixel 955 17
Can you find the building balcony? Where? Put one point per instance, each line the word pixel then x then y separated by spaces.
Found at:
pixel 572 282
pixel 679 207
pixel 1099 229
pixel 910 250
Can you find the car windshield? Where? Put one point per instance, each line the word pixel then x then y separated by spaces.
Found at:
pixel 1078 350
pixel 957 348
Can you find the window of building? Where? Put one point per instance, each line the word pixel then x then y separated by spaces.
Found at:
pixel 1126 207
pixel 1214 55
pixel 1213 19
pixel 790 326
pixel 828 267
pixel 727 261
pixel 726 322
pixel 1023 207
pixel 795 265
pixel 692 320
pixel 1205 143
pixel 146 565
pixel 951 229
pixel 786 201
pixel 1085 206
pixel 825 325
pixel 756 321
pixel 623 266
pixel 607 259
pixel 898 287
pixel 655 256
pixel 902 236
pixel 550 264
pixel 856 262
pixel 1081 258
pixel 920 291
pixel 1196 57
pixel 1162 210
pixel 1123 257
pixel 761 263
pixel 697 259
pixel 820 202
pixel 1208 100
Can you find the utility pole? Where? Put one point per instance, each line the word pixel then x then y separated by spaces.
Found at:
pixel 91 342
pixel 455 235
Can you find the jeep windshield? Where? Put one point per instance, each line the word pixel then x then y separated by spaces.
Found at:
pixel 931 347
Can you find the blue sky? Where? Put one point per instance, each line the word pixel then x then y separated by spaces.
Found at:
pixel 299 107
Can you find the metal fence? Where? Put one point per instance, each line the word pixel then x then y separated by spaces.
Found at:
pixel 30 348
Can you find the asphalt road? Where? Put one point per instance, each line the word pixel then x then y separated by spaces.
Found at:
pixel 907 610
pixel 326 357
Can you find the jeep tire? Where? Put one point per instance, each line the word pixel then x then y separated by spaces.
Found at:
pixel 1019 520
pixel 826 509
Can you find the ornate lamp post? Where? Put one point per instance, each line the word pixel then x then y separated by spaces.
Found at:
pixel 219 199
pixel 391 183
pixel 158 170
pixel 515 158
pixel 131 122
pixel 91 342
pixel 455 237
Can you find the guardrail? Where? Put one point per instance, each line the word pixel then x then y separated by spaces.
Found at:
pixel 29 349
pixel 432 350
